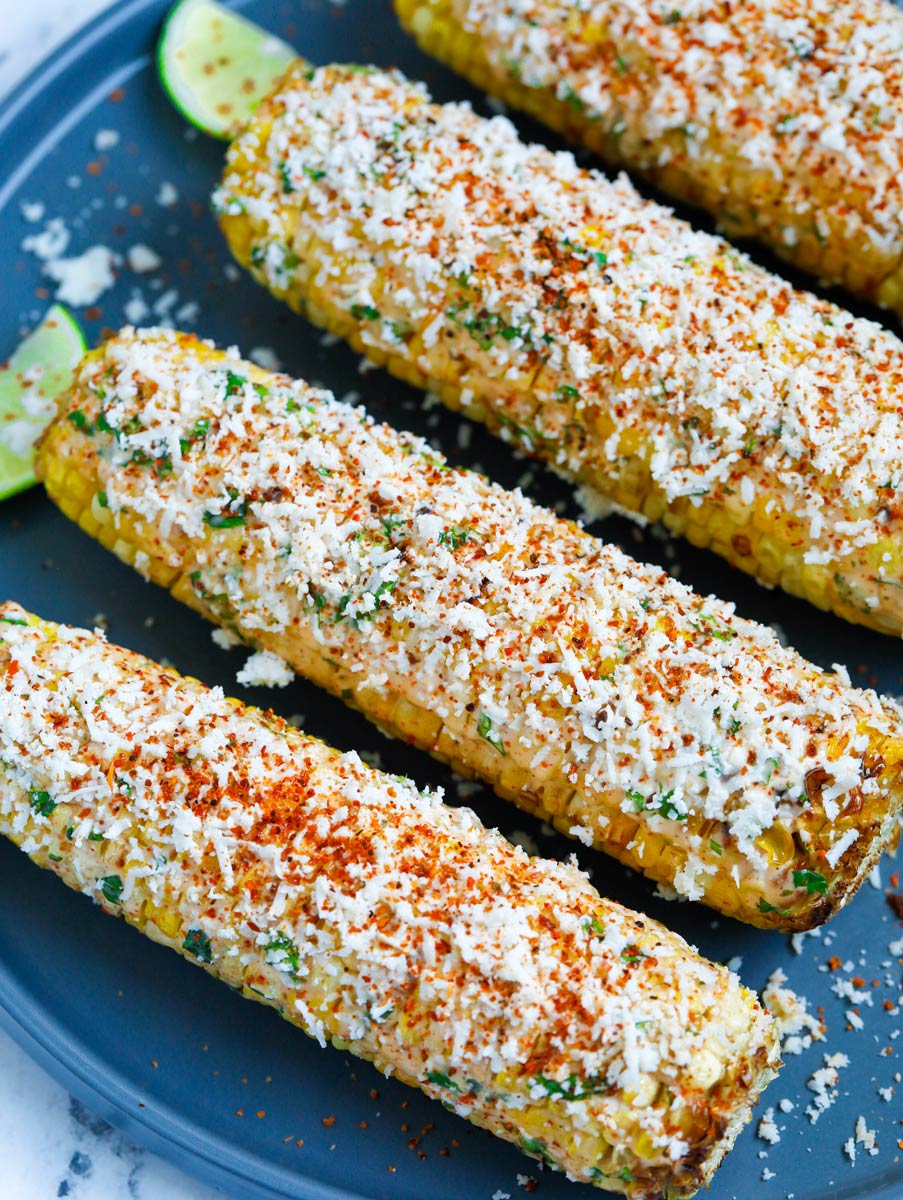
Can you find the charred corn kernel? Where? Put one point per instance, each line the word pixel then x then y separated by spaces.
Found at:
pixel 650 361
pixel 591 690
pixel 608 75
pixel 258 864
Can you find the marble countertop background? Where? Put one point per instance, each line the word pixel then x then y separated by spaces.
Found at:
pixel 53 1146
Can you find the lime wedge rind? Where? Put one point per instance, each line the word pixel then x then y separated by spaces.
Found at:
pixel 216 65
pixel 39 369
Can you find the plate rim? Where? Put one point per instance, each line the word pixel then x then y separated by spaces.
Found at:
pixel 32 1025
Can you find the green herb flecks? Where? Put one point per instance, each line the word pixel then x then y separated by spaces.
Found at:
pixel 572 1088
pixel 233 516
pixel 198 944
pixel 81 422
pixel 442 1080
pixel 484 729
pixel 364 312
pixel 812 881
pixel 455 537
pixel 283 954
pixel 42 803
pixel 111 887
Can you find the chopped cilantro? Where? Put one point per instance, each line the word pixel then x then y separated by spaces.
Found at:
pixel 390 524
pixel 95 835
pixel 385 589
pixel 455 537
pixel 13 621
pixel 111 886
pixel 287 183
pixel 538 1146
pixel 812 881
pixel 80 421
pixel 197 433
pixel 638 799
pixel 283 954
pixel 572 1088
pixel 662 804
pixel 234 383
pixel 594 926
pixel 198 944
pixel 42 803
pixel 227 520
pixel 765 907
pixel 442 1080
pixel 625 1175
pixel 566 392
pixel 314 173
pixel 631 955
pixel 484 729
pixel 364 312
pixel 571 97
pixel 771 765
pixel 102 500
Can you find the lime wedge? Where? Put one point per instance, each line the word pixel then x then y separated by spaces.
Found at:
pixel 38 371
pixel 216 66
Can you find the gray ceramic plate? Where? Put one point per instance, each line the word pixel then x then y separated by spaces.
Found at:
pixel 159 1048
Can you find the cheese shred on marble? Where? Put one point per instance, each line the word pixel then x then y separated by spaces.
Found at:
pixel 375 917
pixel 594 691
pixel 586 325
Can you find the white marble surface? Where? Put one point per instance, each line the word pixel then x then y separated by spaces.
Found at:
pixel 51 1145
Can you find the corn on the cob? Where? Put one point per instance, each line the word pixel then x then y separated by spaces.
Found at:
pixel 783 118
pixel 650 361
pixel 372 915
pixel 594 691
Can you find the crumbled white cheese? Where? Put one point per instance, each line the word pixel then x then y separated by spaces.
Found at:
pixel 142 259
pixel 83 280
pixel 265 669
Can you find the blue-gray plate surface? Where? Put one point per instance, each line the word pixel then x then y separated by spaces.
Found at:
pixel 162 1050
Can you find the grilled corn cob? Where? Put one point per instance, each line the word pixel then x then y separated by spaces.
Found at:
pixel 373 916
pixel 783 118
pixel 591 327
pixel 596 692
